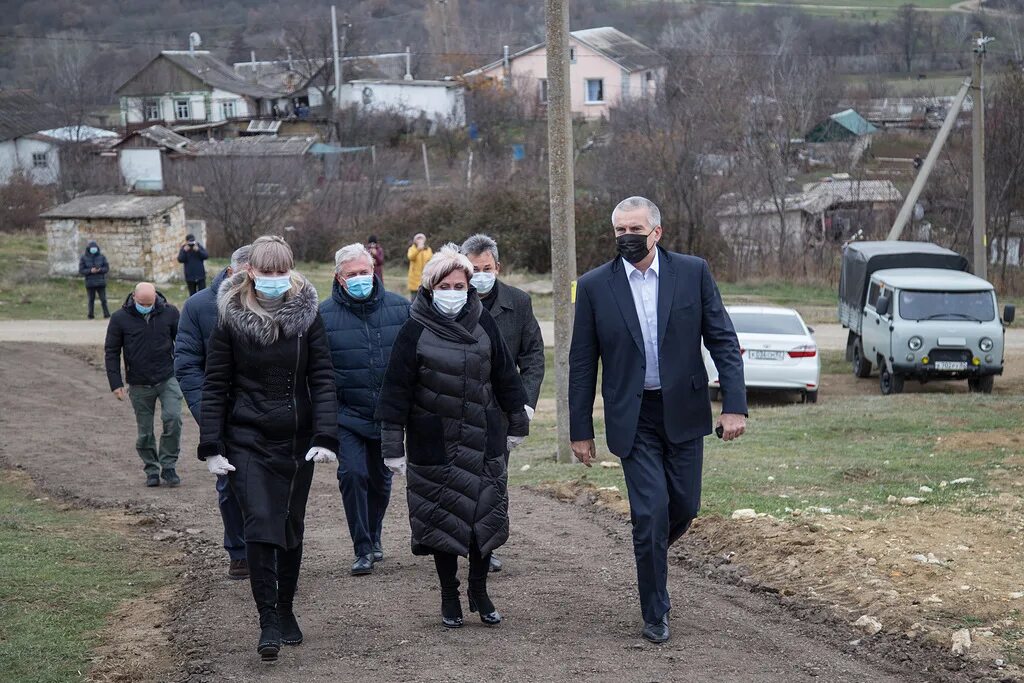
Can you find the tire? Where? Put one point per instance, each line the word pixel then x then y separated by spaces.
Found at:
pixel 889 382
pixel 981 385
pixel 811 397
pixel 861 365
pixel 714 393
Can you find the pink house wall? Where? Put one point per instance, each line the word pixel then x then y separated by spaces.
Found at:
pixel 528 70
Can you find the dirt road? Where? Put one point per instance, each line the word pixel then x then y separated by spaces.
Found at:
pixel 568 592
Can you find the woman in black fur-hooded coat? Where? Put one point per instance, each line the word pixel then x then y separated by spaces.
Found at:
pixel 268 412
pixel 450 389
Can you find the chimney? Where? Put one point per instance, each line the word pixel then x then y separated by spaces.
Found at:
pixel 408 63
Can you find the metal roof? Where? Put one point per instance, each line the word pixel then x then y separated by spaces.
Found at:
pixel 853 122
pixel 217 74
pixel 822 196
pixel 113 206
pixel 256 145
pixel 927 279
pixel 165 137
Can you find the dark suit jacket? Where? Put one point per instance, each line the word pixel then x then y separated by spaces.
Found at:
pixel 607 329
pixel 513 313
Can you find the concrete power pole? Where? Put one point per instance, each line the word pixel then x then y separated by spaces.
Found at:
pixel 337 58
pixel 563 216
pixel 978 157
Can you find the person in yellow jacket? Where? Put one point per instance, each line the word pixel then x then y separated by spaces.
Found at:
pixel 418 255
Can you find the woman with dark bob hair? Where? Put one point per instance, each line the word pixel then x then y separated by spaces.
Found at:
pixel 450 387
pixel 268 412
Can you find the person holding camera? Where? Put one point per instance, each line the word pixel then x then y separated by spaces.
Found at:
pixel 193 255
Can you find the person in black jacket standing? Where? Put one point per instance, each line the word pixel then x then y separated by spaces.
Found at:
pixel 512 311
pixel 93 266
pixel 143 331
pixel 362 321
pixel 268 412
pixel 643 315
pixel 450 389
pixel 198 321
pixel 193 254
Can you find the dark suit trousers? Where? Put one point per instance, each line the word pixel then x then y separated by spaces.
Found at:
pixel 365 483
pixel 663 481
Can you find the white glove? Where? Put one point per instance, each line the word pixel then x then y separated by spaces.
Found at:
pixel 513 441
pixel 529 413
pixel 396 465
pixel 219 465
pixel 317 454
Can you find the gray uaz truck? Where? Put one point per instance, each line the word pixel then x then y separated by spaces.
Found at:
pixel 914 311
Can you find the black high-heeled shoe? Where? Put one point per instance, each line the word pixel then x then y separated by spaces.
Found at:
pixel 480 602
pixel 451 611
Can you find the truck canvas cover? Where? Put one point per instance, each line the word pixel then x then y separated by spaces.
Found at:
pixel 861 259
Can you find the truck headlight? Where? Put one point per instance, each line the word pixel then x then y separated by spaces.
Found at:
pixel 915 343
pixel 986 344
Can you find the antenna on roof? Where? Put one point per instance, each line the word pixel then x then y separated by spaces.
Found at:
pixel 194 41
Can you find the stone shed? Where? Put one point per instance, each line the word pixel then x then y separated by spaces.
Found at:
pixel 140 235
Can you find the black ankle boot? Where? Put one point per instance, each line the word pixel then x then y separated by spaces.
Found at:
pixel 451 606
pixel 270 634
pixel 287 579
pixel 480 602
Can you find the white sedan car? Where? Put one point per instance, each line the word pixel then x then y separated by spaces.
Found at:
pixel 779 353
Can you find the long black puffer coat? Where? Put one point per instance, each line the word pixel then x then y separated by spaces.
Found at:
pixel 267 399
pixel 449 384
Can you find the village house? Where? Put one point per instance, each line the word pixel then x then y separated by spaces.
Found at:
pixel 606 68
pixel 437 102
pixel 141 236
pixel 191 90
pixel 841 140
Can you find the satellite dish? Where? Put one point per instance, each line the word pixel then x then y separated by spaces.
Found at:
pixel 194 40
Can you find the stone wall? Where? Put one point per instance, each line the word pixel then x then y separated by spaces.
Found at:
pixel 137 249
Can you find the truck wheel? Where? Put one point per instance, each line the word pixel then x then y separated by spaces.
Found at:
pixel 981 385
pixel 714 393
pixel 889 382
pixel 861 365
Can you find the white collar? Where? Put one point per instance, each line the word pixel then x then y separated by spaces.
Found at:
pixel 630 268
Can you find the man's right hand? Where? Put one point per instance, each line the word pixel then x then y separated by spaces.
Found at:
pixel 120 393
pixel 585 451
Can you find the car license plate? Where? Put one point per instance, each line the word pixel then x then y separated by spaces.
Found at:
pixel 950 365
pixel 765 355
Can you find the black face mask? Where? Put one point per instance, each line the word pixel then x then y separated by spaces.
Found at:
pixel 633 247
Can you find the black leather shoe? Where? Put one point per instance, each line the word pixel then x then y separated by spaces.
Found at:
pixel 153 480
pixel 171 477
pixel 362 566
pixel 495 564
pixel 657 633
pixel 378 552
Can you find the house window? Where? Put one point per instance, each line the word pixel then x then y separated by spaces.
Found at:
pixel 543 91
pixel 167 219
pixel 40 160
pixel 595 90
pixel 572 55
pixel 229 110
pixel 151 109
pixel 182 110
pixel 649 76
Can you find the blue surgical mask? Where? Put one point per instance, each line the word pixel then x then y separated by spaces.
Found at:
pixel 359 286
pixel 273 287
pixel 450 301
pixel 144 310
pixel 484 282
pixel 94 250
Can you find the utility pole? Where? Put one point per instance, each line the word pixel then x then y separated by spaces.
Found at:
pixel 563 216
pixel 444 23
pixel 978 157
pixel 337 58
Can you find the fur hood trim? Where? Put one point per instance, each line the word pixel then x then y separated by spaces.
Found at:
pixel 295 316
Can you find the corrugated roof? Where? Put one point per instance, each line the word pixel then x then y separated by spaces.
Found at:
pixel 822 196
pixel 257 145
pixel 853 122
pixel 113 206
pixel 165 137
pixel 217 74
pixel 21 113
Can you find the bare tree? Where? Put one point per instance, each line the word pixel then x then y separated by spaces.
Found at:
pixel 908 28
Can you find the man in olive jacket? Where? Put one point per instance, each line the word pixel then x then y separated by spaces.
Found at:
pixel 512 311
pixel 143 331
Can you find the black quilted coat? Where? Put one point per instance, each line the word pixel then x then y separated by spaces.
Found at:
pixel 267 399
pixel 448 386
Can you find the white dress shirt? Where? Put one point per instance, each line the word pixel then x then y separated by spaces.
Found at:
pixel 645 297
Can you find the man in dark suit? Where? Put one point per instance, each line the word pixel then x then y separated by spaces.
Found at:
pixel 512 311
pixel 643 316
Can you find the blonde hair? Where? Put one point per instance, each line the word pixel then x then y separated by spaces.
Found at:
pixel 269 254
pixel 442 264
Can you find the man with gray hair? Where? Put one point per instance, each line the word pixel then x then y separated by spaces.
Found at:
pixel 198 321
pixel 512 310
pixel 643 315
pixel 362 321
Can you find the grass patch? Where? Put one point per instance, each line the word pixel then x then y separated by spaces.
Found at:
pixel 63 573
pixel 778 292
